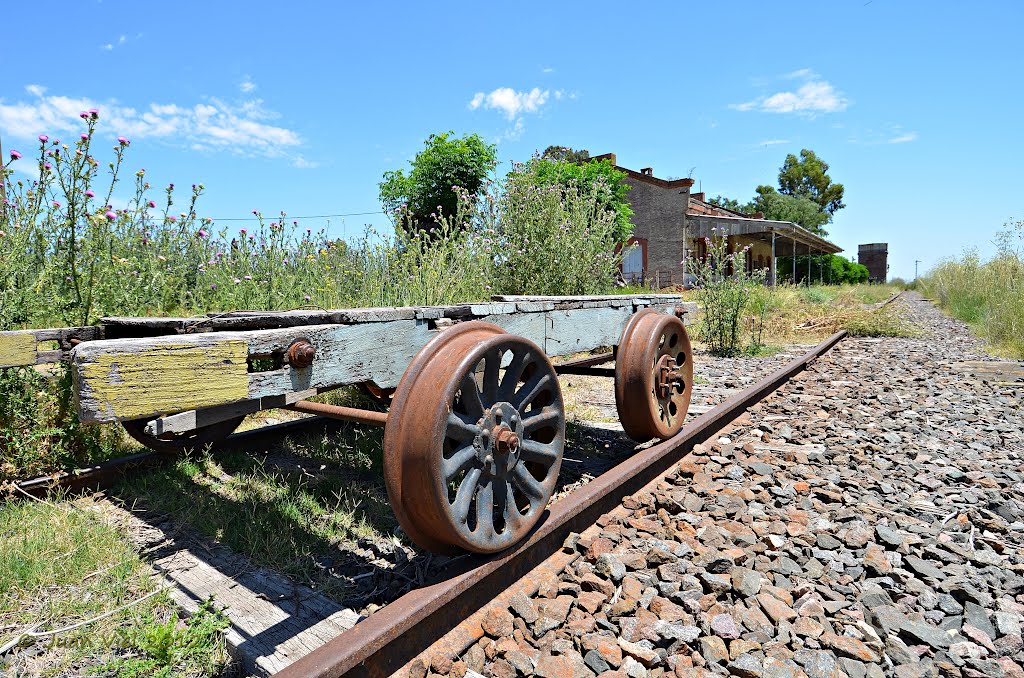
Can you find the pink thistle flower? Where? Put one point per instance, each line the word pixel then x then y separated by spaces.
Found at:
pixel 122 141
pixel 248 277
pixel 56 204
pixel 83 115
pixel 238 281
pixel 307 297
pixel 84 136
pixel 90 194
pixel 94 113
pixel 150 204
pixel 171 217
pixel 47 166
pixel 202 234
pixel 242 231
pixel 43 138
pixel 15 155
pixel 111 215
pixel 213 286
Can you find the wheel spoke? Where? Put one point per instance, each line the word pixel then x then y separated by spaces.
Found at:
pixel 531 450
pixel 485 508
pixel 512 515
pixel 492 363
pixel 548 415
pixel 471 397
pixel 460 429
pixel 458 462
pixel 502 498
pixel 530 391
pixel 464 496
pixel 527 483
pixel 512 374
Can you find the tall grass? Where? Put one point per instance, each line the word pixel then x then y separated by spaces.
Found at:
pixel 989 295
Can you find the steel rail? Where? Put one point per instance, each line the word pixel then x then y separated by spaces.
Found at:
pixel 392 636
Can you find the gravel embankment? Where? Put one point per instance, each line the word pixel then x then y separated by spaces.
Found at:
pixel 867 520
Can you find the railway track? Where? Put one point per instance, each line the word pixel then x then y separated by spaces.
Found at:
pixel 390 638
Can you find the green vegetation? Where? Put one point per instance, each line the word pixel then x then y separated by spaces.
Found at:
pixel 806 196
pixel 598 177
pixel 988 295
pixel 72 584
pixel 417 200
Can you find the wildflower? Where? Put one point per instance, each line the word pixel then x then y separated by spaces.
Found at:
pixel 248 277
pixel 150 204
pixel 90 194
pixel 202 234
pixel 83 115
pixel 242 231
pixel 123 142
pixel 238 281
pixel 84 136
pixel 47 166
pixel 285 262
pixel 93 113
pixel 56 204
pixel 213 286
pixel 111 215
pixel 171 218
pixel 43 138
pixel 15 155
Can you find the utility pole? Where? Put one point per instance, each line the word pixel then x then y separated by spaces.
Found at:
pixel 916 262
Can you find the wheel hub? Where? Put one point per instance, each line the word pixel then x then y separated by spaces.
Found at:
pixel 497 445
pixel 668 377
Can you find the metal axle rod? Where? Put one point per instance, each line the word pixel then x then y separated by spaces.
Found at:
pixel 339 412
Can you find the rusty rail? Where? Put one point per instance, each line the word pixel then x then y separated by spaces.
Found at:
pixel 384 642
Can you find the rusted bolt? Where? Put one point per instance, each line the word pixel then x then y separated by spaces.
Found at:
pixel 506 441
pixel 301 353
pixel 680 311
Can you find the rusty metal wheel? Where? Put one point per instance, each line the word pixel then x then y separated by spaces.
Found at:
pixel 381 396
pixel 474 440
pixel 177 443
pixel 653 375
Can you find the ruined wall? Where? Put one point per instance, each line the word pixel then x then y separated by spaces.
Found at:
pixel 658 218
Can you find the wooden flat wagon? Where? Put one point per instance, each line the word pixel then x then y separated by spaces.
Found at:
pixel 475 432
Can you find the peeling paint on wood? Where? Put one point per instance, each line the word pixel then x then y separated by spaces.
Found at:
pixel 17 349
pixel 146 378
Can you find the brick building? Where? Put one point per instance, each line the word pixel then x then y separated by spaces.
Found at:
pixel 876 257
pixel 670 225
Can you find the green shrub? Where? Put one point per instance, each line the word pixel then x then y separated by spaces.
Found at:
pixel 723 296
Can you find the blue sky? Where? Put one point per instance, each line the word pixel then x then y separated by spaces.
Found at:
pixel 301 107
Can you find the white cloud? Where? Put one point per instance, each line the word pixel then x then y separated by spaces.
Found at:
pixel 301 162
pixel 548 70
pixel 903 138
pixel 214 124
pixel 773 142
pixel 511 102
pixel 247 85
pixel 813 97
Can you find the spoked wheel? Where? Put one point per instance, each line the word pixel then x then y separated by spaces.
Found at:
pixel 177 443
pixel 653 375
pixel 474 440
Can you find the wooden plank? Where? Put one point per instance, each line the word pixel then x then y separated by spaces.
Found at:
pixel 533 326
pixel 193 419
pixel 20 348
pixel 583 329
pixel 587 297
pixel 129 379
pixel 17 348
pixel 345 354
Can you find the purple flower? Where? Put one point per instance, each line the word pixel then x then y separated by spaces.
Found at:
pixel 43 138
pixel 84 136
pixel 307 297
pixel 15 155
pixel 111 215
pixel 150 204
pixel 242 231
pixel 238 281
pixel 248 277
pixel 123 141
pixel 90 194
pixel 56 204
pixel 93 113
pixel 47 166
pixel 171 217
pixel 83 115
pixel 202 234
pixel 213 286
pixel 285 262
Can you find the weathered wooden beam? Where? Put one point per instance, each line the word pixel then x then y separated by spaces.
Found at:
pixel 20 348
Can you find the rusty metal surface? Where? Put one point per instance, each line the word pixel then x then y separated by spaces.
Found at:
pixel 474 440
pixel 384 642
pixel 301 353
pixel 177 443
pixel 379 395
pixel 653 376
pixel 589 361
pixel 338 412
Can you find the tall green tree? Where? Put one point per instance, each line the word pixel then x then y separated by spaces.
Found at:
pixel 797 209
pixel 566 154
pixel 807 177
pixel 415 199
